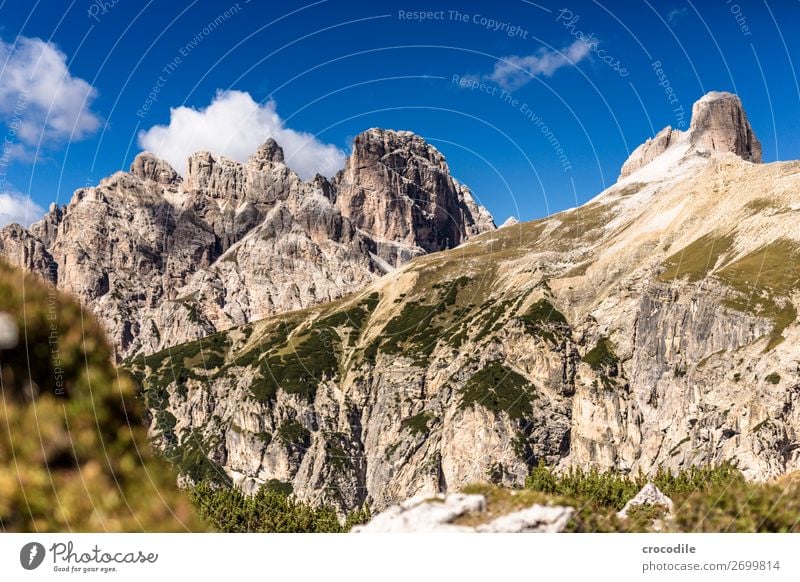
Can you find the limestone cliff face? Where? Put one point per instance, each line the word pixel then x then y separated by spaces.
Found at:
pixel 719 125
pixel 303 252
pixel 149 168
pixel 26 251
pixel 162 259
pixel 397 189
pixel 654 326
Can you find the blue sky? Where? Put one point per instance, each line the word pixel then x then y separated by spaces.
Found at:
pixel 314 74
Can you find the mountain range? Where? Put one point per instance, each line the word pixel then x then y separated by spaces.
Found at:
pixel 162 259
pixel 373 337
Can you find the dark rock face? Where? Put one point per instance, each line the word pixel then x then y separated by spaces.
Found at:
pixel 162 260
pixel 397 188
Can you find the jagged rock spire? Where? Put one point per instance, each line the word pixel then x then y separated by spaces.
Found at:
pixel 269 151
pixel 148 167
pixel 397 187
pixel 719 124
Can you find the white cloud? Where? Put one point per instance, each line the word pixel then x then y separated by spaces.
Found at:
pixel 39 98
pixel 234 125
pixel 514 71
pixel 18 208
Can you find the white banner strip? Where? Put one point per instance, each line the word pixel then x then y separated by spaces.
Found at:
pixel 351 558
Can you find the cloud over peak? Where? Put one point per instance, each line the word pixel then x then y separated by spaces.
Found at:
pixel 234 125
pixel 39 98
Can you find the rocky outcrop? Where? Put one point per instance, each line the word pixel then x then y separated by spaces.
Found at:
pixel 146 166
pixel 425 515
pixel 268 152
pixel 26 251
pixel 648 495
pixel 397 189
pixel 303 252
pixel 649 151
pixel 719 125
pixel 534 519
pixel 476 219
pixel 162 259
pixel 46 229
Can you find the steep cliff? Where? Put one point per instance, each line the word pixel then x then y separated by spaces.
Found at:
pixel 719 124
pixel 426 209
pixel 654 326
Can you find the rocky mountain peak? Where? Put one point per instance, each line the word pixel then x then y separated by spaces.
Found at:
pixel 162 260
pixel 325 186
pixel 397 189
pixel 199 166
pixel 603 319
pixel 389 144
pixel 269 151
pixel 720 124
pixel 22 249
pixel 219 176
pixel 146 166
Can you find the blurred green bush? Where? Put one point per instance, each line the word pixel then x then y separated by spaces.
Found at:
pixel 74 453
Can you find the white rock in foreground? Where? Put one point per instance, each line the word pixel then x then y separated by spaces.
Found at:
pixel 435 515
pixel 534 519
pixel 423 514
pixel 649 495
